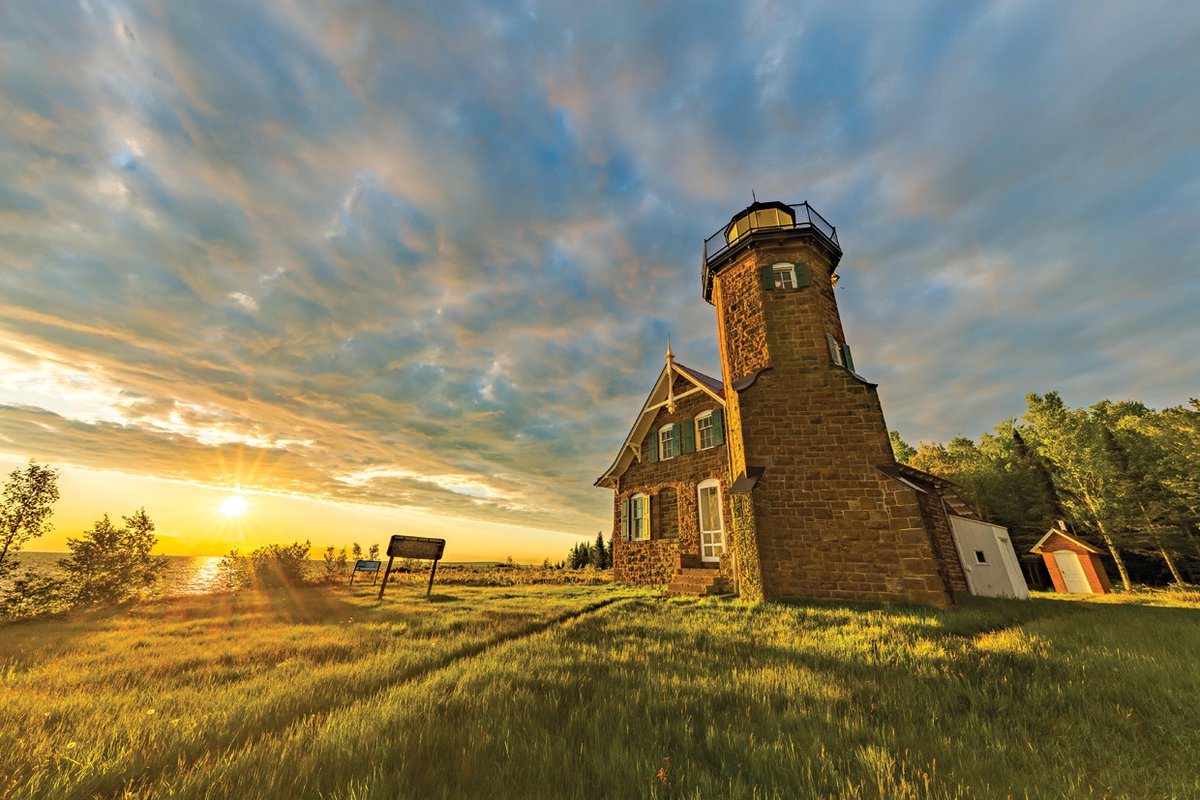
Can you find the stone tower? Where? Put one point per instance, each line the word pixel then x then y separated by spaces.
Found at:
pixel 818 506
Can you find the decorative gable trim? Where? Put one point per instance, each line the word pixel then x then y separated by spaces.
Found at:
pixel 661 395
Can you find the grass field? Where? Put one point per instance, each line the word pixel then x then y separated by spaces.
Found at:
pixel 600 692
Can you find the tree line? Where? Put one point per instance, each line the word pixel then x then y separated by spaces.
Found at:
pixel 1119 472
pixel 597 554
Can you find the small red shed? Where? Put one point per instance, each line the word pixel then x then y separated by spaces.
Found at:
pixel 1074 566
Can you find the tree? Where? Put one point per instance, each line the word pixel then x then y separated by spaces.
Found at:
pixel 901 449
pixel 1157 518
pixel 110 564
pixel 580 556
pixel 373 552
pixel 598 556
pixel 1080 462
pixel 29 497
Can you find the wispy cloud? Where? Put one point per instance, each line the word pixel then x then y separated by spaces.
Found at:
pixel 430 257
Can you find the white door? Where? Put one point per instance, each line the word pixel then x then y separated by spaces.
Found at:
pixel 1072 572
pixel 987 558
pixel 712 532
pixel 1008 556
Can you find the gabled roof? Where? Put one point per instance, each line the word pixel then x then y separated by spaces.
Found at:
pixel 714 386
pixel 662 394
pixel 1037 548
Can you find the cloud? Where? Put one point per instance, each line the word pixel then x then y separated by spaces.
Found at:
pixel 408 257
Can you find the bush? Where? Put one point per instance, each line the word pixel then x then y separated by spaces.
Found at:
pixel 337 564
pixel 36 594
pixel 267 567
pixel 233 571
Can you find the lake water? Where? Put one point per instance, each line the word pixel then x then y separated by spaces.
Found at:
pixel 182 575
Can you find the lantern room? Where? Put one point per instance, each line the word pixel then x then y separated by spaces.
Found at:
pixel 758 216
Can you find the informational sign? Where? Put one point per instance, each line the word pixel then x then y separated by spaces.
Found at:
pixel 364 565
pixel 414 547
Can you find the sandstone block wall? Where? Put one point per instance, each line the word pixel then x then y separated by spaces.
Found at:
pixel 828 523
pixel 949 561
pixel 671 486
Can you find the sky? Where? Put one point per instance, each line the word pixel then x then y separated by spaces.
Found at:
pixel 411 267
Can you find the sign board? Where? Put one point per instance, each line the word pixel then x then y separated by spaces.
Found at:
pixel 414 547
pixel 363 565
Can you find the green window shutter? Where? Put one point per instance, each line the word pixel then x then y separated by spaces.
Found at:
pixel 849 358
pixel 625 519
pixel 802 277
pixel 689 436
pixel 768 277
pixel 677 436
pixel 652 450
pixel 718 419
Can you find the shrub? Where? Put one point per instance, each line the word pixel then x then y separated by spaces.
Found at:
pixel 233 571
pixel 280 564
pixel 337 565
pixel 35 594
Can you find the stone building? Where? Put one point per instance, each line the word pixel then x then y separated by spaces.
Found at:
pixel 777 480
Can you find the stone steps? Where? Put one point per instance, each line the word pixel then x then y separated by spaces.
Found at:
pixel 695 581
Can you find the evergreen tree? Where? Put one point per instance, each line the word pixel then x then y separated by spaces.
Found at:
pixel 597 556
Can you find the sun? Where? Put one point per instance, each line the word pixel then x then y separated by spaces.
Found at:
pixel 234 506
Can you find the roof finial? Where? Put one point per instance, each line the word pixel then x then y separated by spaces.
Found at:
pixel 753 196
pixel 670 377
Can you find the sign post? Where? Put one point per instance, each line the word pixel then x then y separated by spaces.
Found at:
pixel 413 547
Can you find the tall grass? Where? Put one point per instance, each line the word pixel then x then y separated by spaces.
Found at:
pixel 107 702
pixel 642 698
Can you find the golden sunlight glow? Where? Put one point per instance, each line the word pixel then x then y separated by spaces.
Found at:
pixel 233 506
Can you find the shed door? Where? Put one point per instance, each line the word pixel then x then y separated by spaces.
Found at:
pixel 1072 572
pixel 987 558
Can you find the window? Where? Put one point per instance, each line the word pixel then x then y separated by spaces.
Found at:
pixel 980 558
pixel 667 442
pixel 785 275
pixel 710 429
pixel 835 351
pixel 639 518
pixel 705 437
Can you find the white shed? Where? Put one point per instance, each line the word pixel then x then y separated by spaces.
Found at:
pixel 988 558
